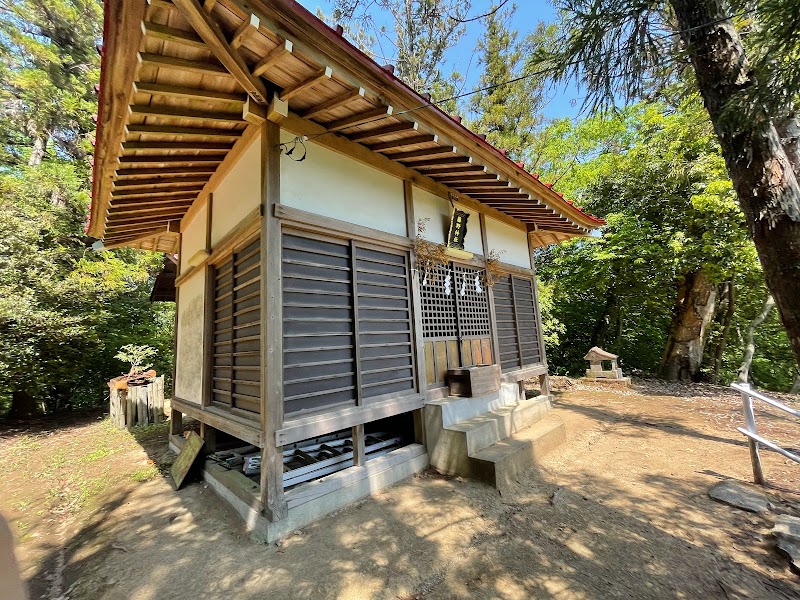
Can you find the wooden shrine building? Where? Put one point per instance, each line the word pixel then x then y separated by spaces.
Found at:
pixel 288 172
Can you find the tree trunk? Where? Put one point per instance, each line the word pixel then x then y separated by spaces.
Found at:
pixel 39 145
pixel 603 324
pixel 23 405
pixel 726 330
pixel 763 175
pixel 694 310
pixel 750 348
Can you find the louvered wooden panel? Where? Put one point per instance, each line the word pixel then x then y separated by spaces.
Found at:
pixel 528 330
pixel 506 324
pixel 236 381
pixel 318 325
pixel 384 322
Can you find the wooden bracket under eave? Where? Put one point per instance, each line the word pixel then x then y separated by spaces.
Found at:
pixel 276 111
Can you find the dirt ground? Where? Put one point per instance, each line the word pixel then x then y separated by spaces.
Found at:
pixel 620 510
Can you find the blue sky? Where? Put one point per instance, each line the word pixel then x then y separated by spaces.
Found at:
pixel 564 102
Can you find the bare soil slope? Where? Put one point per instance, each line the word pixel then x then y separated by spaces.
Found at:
pixel 620 510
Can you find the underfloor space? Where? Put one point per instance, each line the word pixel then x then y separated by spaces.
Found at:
pixel 619 510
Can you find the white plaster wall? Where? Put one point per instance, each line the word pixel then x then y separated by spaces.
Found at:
pixel 330 184
pixel 514 241
pixel 193 238
pixel 437 209
pixel 189 365
pixel 238 194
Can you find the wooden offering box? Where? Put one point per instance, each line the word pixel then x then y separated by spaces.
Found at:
pixel 474 381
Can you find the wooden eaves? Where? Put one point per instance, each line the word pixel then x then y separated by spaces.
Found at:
pixel 182 82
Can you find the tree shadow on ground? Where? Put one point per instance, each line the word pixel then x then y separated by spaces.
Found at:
pixel 428 537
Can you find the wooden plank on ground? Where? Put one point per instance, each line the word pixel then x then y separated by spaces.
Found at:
pixel 187 457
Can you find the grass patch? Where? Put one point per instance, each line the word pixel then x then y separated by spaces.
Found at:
pixel 146 473
pixel 96 455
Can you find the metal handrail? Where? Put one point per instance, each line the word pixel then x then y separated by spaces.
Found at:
pixel 753 439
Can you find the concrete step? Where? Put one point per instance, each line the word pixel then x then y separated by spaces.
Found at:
pixel 497 424
pixel 503 462
pixel 454 409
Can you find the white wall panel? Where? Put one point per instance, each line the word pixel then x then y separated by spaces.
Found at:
pixel 189 362
pixel 239 192
pixel 514 241
pixel 437 209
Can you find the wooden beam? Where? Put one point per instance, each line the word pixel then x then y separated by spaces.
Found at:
pixel 271 326
pixel 117 198
pixel 214 147
pixel 183 64
pixel 150 216
pixel 160 183
pixel 150 209
pixel 174 170
pixel 381 112
pixel 179 112
pixel 403 142
pixel 247 28
pixel 120 239
pixel 493 184
pixel 209 5
pixel 122 230
pixel 333 103
pixel 290 92
pixel 170 34
pixel 423 153
pixel 362 136
pixel 201 132
pixel 176 91
pixel 464 178
pixel 143 207
pixel 273 57
pixel 169 160
pixel 208 29
pixel 165 4
pixel 440 162
pixel 455 170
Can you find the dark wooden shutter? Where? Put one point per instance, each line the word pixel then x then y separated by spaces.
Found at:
pixel 237 331
pixel 527 328
pixel 506 324
pixel 318 326
pixel 384 322
pixel 517 330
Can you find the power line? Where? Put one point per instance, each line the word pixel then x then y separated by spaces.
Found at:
pixel 543 71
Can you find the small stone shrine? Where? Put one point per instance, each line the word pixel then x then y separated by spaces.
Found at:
pixel 596 357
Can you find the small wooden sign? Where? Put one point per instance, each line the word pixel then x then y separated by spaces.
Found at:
pixel 186 458
pixel 458 229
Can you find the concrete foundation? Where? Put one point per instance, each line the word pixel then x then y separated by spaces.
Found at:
pixel 313 500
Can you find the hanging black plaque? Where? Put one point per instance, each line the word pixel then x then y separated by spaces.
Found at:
pixel 458 229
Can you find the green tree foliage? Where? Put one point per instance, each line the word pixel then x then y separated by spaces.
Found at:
pixel 656 173
pixel 416 41
pixel 64 309
pixel 742 58
pixel 507 104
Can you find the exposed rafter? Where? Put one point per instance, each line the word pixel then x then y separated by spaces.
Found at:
pixel 208 29
pixel 333 103
pixel 403 142
pixel 323 74
pixel 264 65
pixel 379 132
pixel 380 112
pixel 175 91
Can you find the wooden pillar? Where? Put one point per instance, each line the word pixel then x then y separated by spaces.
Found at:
pixel 175 325
pixel 209 435
pixel 416 295
pixel 359 454
pixel 271 326
pixel 175 422
pixel 490 295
